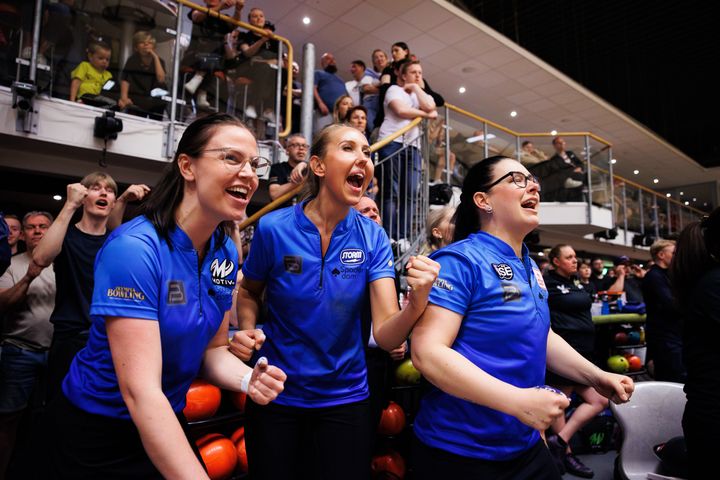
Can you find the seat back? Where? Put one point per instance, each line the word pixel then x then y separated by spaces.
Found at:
pixel 652 416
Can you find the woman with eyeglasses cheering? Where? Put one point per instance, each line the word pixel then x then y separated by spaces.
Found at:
pixel 164 285
pixel 319 266
pixel 484 340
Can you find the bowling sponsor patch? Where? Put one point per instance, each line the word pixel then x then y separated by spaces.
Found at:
pixel 503 271
pixel 293 263
pixel 539 278
pixel 443 284
pixel 176 293
pixel 352 256
pixel 511 292
pixel 222 272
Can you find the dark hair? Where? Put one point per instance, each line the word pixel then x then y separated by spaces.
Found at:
pixel 359 63
pixel 167 194
pixel 318 149
pixel 467 218
pixel 402 45
pixel 352 110
pixel 697 251
pixel 555 252
pixel 526 142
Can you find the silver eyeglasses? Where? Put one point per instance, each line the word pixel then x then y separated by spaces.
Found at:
pixel 235 161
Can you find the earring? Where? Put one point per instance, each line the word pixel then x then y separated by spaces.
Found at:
pixel 488 209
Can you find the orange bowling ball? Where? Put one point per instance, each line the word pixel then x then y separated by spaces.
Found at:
pixel 218 454
pixel 202 401
pixel 392 420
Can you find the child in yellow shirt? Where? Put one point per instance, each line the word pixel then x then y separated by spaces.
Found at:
pixel 89 77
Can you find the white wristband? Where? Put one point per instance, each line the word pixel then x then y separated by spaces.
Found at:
pixel 245 382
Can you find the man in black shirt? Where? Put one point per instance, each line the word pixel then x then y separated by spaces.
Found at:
pixel 663 328
pixel 71 248
pixel 282 179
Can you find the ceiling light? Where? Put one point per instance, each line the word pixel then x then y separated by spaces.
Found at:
pixel 636 172
pixel 694 199
pixel 513 114
pixel 613 161
pixel 682 193
pixel 553 132
pixel 668 195
pixel 655 180
pixel 687 203
pixel 461 89
pixel 541 254
pixel 57 197
pixel 306 20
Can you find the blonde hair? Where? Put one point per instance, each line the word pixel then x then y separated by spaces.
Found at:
pixel 142 36
pixel 434 219
pixel 336 109
pixel 658 247
pixel 94 178
pixel 318 149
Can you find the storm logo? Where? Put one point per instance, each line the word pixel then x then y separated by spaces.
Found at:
pixel 221 270
pixel 352 256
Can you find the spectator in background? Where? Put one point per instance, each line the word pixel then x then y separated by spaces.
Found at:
pixel 439 230
pixel 27 298
pixel 14 233
pixel 562 175
pixel 71 249
pixel 584 274
pixel 663 327
pixel 360 78
pixel 371 91
pixel 341 107
pixel 357 118
pixel 570 318
pixel 5 253
pixel 328 87
pixel 144 71
pixel 612 281
pixel 90 76
pixel 281 179
pixel 628 278
pixel 695 277
pixel 400 174
pixel 529 155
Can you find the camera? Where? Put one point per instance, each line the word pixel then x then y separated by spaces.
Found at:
pixel 23 94
pixel 107 126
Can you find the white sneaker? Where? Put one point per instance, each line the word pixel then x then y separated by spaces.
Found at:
pixel 194 83
pixel 250 112
pixel 201 101
pixel 570 183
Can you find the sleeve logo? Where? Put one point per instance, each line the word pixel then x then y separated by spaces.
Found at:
pixel 352 256
pixel 503 271
pixel 221 270
pixel 443 284
pixel 125 293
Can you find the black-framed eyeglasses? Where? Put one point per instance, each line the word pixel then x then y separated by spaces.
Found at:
pixel 519 179
pixel 235 161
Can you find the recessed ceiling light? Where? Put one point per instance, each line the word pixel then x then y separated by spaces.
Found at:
pixel 613 161
pixel 682 193
pixel 668 195
pixel 513 114
pixel 541 254
pixel 57 197
pixel 461 89
pixel 553 132
pixel 704 204
pixel 694 199
pixel 687 203
pixel 306 20
pixel 655 180
pixel 636 172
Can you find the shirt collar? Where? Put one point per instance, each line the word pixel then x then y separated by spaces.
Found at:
pixel 500 246
pixel 304 222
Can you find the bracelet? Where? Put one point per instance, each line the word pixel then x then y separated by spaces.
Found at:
pixel 245 382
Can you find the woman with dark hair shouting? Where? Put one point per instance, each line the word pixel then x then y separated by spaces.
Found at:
pixel 485 338
pixel 164 286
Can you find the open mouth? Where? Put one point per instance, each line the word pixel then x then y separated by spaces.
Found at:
pixel 241 193
pixel 530 203
pixel 101 203
pixel 356 180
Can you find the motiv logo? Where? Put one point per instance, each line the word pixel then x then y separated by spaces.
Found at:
pixel 352 256
pixel 221 270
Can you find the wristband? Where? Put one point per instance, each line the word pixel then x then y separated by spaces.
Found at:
pixel 245 382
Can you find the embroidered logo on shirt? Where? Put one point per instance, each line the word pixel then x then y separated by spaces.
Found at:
pixel 176 293
pixel 444 284
pixel 125 293
pixel 503 270
pixel 221 270
pixel 539 278
pixel 511 292
pixel 352 256
pixel 293 263
pixel 563 289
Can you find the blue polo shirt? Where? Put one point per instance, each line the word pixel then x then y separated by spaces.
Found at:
pixel 503 301
pixel 139 275
pixel 313 330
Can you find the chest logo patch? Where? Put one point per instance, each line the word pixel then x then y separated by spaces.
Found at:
pixel 503 271
pixel 563 289
pixel 352 256
pixel 539 278
pixel 221 271
pixel 293 263
pixel 511 292
pixel 176 293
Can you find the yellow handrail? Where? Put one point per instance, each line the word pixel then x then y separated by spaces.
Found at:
pixel 287 196
pixel 247 26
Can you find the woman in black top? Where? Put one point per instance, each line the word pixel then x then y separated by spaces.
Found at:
pixel 570 317
pixel 695 276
